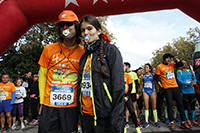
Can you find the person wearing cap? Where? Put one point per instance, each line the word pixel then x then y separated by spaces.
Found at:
pixel 59 64
pixel 165 78
pixel 101 82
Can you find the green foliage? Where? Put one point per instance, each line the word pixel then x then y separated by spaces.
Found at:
pixel 24 55
pixel 182 47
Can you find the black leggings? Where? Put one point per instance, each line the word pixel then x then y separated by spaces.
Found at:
pixel 198 98
pixel 130 107
pixel 189 99
pixel 174 94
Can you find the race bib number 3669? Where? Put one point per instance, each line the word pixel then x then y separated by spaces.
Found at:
pixel 62 95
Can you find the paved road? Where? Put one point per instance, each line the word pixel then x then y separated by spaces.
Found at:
pixel 164 128
pixel 131 129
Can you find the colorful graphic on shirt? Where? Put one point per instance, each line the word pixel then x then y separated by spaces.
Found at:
pixel 62 73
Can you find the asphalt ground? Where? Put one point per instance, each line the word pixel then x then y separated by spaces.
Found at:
pixel 151 129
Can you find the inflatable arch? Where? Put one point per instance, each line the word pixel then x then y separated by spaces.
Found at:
pixel 18 16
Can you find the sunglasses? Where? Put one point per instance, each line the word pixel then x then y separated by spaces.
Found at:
pixel 62 24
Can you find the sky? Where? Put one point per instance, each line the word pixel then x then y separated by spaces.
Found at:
pixel 140 34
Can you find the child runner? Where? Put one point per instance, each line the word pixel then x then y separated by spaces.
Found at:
pixel 19 105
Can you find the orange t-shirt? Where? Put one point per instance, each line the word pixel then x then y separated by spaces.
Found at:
pixel 167 75
pixel 87 88
pixel 6 90
pixel 128 80
pixel 62 75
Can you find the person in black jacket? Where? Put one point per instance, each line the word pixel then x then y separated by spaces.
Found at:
pixel 100 90
pixel 27 85
pixel 34 96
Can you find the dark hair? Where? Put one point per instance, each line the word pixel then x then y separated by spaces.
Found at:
pixel 166 55
pixel 78 32
pixel 94 21
pixel 127 64
pixel 149 66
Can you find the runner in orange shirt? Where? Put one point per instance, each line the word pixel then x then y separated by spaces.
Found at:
pixel 169 86
pixel 7 99
pixel 59 64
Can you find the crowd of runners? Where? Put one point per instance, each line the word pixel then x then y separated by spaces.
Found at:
pixel 92 87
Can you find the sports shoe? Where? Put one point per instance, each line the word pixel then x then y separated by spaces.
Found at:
pixel 139 121
pixel 22 126
pixel 137 129
pixel 177 120
pixel 25 122
pixel 10 130
pixel 166 120
pixel 14 127
pixel 195 123
pixel 17 123
pixel 146 124
pixel 189 123
pixel 2 130
pixel 157 124
pixel 35 122
pixel 185 126
pixel 31 123
pixel 172 127
pixel 127 125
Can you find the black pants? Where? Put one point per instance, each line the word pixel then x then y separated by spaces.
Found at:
pixel 174 94
pixel 189 99
pixel 87 124
pixel 34 108
pixel 198 98
pixel 26 107
pixel 130 107
pixel 58 120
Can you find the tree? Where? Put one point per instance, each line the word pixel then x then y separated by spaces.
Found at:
pixel 182 47
pixel 24 55
pixel 103 20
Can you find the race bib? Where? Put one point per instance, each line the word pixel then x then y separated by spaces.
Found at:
pixel 148 85
pixel 25 84
pixel 170 75
pixel 18 93
pixel 188 81
pixel 2 97
pixel 86 88
pixel 62 95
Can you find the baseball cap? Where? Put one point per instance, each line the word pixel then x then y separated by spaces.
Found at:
pixel 67 15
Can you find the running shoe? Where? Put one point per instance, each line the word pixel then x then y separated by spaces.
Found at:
pixel 177 120
pixel 146 124
pixel 35 122
pixel 25 122
pixel 2 130
pixel 31 123
pixel 137 129
pixel 195 123
pixel 157 124
pixel 14 127
pixel 185 126
pixel 189 123
pixel 166 120
pixel 139 121
pixel 127 125
pixel 10 130
pixel 172 127
pixel 22 126
pixel 17 123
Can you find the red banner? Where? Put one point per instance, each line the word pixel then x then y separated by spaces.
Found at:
pixel 18 16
